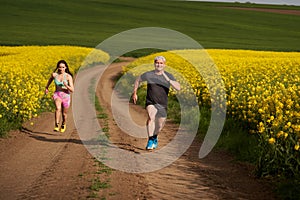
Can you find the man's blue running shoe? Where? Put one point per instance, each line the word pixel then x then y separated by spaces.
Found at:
pixel 155 142
pixel 150 144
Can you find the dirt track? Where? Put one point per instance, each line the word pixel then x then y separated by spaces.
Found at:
pixel 40 164
pixel 268 10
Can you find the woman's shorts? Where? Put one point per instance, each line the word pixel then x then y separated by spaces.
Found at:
pixel 64 97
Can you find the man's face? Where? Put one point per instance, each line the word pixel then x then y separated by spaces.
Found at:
pixel 159 65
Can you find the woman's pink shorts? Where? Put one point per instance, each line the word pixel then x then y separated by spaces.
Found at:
pixel 64 97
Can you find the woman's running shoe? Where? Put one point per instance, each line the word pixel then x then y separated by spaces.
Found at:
pixel 56 128
pixel 63 128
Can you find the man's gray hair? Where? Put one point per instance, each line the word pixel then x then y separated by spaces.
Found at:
pixel 159 58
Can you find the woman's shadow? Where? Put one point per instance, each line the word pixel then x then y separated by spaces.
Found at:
pixel 42 136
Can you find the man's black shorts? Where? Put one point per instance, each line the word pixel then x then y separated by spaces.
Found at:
pixel 161 111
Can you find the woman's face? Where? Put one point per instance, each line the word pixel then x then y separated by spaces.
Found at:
pixel 61 68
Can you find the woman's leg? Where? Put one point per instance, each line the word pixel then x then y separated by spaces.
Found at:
pixel 64 119
pixel 66 100
pixel 57 110
pixel 64 114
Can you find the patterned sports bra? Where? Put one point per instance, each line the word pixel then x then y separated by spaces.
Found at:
pixel 60 83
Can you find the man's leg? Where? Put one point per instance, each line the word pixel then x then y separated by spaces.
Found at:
pixel 160 122
pixel 151 110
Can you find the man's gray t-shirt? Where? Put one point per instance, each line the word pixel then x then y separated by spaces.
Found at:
pixel 157 88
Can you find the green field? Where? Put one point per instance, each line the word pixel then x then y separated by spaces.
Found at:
pixel 88 23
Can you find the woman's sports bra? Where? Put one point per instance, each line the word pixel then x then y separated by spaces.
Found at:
pixel 60 83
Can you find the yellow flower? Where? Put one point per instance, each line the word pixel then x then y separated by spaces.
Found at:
pixel 296 147
pixel 271 140
pixel 279 134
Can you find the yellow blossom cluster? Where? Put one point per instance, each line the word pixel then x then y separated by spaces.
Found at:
pixel 262 87
pixel 25 71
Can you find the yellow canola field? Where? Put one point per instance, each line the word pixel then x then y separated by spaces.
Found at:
pixel 25 71
pixel 262 88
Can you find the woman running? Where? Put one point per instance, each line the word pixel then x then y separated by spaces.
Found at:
pixel 62 96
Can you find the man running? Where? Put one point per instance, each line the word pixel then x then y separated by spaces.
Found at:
pixel 158 84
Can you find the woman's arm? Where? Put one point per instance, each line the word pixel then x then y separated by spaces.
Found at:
pixel 69 86
pixel 48 83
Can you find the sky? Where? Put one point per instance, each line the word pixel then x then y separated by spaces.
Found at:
pixel 276 2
